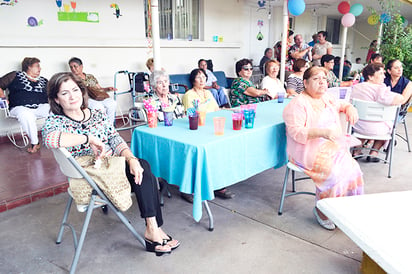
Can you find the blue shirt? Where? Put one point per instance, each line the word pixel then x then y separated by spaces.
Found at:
pixel 399 87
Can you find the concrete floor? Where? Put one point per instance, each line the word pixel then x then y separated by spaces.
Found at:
pixel 249 236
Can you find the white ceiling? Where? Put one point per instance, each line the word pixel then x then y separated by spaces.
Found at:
pixel 330 7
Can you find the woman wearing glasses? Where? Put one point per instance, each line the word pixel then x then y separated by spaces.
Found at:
pixel 243 91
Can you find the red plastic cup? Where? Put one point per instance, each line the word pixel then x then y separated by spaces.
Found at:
pixel 237 119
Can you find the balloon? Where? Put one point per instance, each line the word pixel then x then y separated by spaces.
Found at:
pixel 296 7
pixel 344 7
pixel 385 18
pixel 356 9
pixel 373 19
pixel 348 20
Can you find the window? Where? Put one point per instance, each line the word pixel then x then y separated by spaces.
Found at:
pixel 333 29
pixel 177 19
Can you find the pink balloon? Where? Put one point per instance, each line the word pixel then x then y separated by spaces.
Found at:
pixel 348 20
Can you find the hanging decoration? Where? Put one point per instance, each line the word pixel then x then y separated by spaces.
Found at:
pixel 356 9
pixel 117 9
pixel 259 36
pixel 373 19
pixel 296 7
pixel 149 28
pixel 349 12
pixel 385 18
pixel 348 20
pixel 261 4
pixel 344 7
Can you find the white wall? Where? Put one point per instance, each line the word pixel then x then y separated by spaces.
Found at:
pixel 114 44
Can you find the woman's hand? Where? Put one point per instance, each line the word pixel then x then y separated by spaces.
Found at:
pixel 351 114
pixel 331 134
pixel 97 146
pixel 137 170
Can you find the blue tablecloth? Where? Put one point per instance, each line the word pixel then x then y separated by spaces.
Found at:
pixel 200 162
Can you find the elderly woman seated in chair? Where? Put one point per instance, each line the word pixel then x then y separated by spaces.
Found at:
pixel 315 141
pixel 85 131
pixel 373 89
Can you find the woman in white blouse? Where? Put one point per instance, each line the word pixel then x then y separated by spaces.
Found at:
pixel 270 81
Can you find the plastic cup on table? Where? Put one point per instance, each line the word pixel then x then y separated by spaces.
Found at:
pixel 152 119
pixel 281 97
pixel 242 109
pixel 237 120
pixel 202 117
pixel 193 121
pixel 249 118
pixel 219 124
pixel 168 118
pixel 252 106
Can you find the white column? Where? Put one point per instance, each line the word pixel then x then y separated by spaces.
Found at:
pixel 342 59
pixel 156 35
pixel 285 36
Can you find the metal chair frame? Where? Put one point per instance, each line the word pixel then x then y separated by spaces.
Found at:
pixel 402 120
pixel 292 167
pixel 71 168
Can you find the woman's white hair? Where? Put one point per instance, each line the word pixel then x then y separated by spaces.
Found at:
pixel 154 77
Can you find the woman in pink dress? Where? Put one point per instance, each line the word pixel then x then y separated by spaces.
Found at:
pixel 316 144
pixel 373 89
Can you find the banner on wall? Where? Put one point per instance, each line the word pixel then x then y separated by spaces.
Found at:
pixel 69 13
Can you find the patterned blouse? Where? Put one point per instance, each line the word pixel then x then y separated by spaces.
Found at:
pixel 179 110
pixel 237 93
pixel 97 125
pixel 333 81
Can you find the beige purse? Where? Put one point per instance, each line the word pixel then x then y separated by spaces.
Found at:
pixel 110 177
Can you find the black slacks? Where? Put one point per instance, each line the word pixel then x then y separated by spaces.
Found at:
pixel 147 193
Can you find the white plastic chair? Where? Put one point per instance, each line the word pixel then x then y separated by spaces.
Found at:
pixel 11 126
pixel 375 112
pixel 71 168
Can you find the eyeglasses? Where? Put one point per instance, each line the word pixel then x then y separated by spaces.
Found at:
pixel 247 68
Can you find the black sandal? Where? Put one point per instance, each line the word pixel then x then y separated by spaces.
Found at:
pixel 166 241
pixel 151 247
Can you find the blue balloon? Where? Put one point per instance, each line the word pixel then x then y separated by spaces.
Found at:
pixel 385 18
pixel 356 9
pixel 296 7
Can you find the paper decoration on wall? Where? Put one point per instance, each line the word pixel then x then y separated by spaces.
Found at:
pixel 259 36
pixel 261 4
pixel 8 2
pixel 73 15
pixel 33 22
pixel 116 7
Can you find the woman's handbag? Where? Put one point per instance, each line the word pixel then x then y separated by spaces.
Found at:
pixel 110 177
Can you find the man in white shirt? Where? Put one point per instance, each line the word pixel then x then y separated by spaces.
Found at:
pixel 211 84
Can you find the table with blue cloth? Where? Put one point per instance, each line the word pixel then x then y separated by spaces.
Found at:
pixel 199 162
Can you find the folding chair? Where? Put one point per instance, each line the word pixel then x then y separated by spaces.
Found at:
pixel 11 126
pixel 403 111
pixel 294 168
pixel 375 112
pixel 71 168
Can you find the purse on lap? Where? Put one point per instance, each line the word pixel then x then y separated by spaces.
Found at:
pixel 110 177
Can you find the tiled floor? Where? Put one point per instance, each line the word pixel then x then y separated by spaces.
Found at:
pixel 26 177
